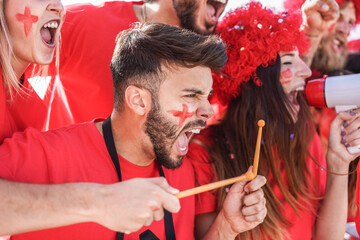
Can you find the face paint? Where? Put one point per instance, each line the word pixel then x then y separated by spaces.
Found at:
pixel 331 28
pixel 286 76
pixel 27 19
pixel 182 114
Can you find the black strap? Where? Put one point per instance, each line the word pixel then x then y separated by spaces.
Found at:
pixel 169 224
pixel 148 235
pixel 110 145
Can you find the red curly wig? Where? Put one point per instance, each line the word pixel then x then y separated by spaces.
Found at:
pixel 296 4
pixel 254 35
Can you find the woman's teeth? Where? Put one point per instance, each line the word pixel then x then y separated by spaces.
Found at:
pixel 51 25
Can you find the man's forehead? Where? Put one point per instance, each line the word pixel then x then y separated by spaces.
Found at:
pixel 188 78
pixel 348 10
pixel 348 5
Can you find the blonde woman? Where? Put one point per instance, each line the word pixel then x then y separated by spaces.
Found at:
pixel 29 34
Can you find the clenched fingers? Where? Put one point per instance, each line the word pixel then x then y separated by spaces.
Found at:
pixel 255 184
pixel 166 195
pixel 258 216
pixel 329 9
pixel 254 197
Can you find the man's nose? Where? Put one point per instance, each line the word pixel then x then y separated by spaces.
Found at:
pixel 205 110
pixel 343 27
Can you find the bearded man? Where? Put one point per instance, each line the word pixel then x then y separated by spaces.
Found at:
pixel 331 55
pixel 328 24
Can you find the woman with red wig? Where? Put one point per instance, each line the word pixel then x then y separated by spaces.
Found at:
pixel 306 193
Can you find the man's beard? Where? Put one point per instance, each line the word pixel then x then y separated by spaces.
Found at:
pixel 325 59
pixel 162 133
pixel 186 12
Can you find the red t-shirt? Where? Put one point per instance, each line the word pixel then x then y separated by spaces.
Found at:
pixel 302 226
pixel 326 117
pixel 78 153
pixel 7 125
pixel 357 200
pixel 88 41
pixel 30 106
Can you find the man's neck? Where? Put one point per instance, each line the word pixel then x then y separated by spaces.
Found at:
pixel 128 142
pixel 158 11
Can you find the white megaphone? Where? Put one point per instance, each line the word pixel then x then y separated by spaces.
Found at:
pixel 340 92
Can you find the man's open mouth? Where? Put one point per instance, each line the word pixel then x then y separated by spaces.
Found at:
pixel 184 139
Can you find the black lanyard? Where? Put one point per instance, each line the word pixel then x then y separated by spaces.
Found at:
pixel 110 145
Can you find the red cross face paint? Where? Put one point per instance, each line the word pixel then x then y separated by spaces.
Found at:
pixel 183 115
pixel 27 19
pixel 331 28
pixel 286 76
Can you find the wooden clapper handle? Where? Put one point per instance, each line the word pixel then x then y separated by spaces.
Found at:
pixel 248 175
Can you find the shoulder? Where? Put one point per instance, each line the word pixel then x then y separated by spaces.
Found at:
pixel 87 10
pixel 91 22
pixel 198 156
pixel 64 135
pixel 199 146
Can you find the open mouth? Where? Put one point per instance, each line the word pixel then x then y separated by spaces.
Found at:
pixel 48 32
pixel 190 133
pixel 338 44
pixel 184 139
pixel 214 9
pixel 293 98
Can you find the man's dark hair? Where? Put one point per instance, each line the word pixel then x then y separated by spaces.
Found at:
pixel 141 52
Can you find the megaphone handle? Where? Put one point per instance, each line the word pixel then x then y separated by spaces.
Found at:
pixel 354 149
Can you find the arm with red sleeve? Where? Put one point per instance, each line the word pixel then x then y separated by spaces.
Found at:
pixel 23 206
pixel 29 164
pixel 333 211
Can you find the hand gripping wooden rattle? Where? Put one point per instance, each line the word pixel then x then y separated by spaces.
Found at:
pixel 248 175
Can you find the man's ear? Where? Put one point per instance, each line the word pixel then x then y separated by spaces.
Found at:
pixel 138 99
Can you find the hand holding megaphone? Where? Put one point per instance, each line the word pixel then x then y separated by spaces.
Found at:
pixel 340 92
